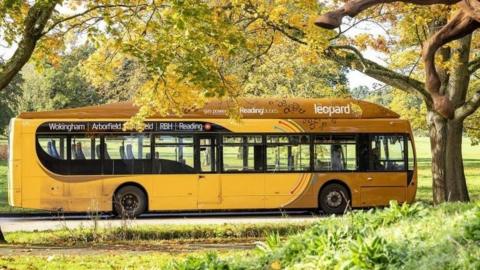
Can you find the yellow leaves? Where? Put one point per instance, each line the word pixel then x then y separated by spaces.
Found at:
pixel 100 68
pixel 290 73
pixel 405 59
pixel 189 51
pixel 318 38
pixel 364 40
pixel 162 97
pixel 276 265
pixel 48 50
pixel 297 20
pixel 409 107
pixel 278 13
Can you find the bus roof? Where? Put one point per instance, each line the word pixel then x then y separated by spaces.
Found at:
pixel 250 108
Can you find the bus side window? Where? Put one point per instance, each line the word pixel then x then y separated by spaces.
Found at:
pixel 288 153
pixel 84 148
pixel 387 153
pixel 208 154
pixel 54 146
pixel 242 153
pixel 174 154
pixel 334 153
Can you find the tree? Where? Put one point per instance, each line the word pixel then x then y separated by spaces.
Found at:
pixel 190 50
pixel 27 25
pixel 284 73
pixel 446 88
pixel 51 87
pixel 9 100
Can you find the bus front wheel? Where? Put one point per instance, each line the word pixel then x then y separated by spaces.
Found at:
pixel 129 202
pixel 334 199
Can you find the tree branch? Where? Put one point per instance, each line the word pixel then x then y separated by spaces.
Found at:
pixel 35 21
pixel 468 107
pixel 351 57
pixel 474 65
pixel 60 21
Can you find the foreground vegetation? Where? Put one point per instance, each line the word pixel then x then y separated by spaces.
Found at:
pixel 153 234
pixel 401 236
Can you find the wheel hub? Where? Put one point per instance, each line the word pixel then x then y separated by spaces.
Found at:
pixel 334 199
pixel 129 202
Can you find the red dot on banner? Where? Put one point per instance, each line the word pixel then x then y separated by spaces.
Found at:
pixel 208 126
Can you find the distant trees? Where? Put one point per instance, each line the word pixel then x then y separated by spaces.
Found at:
pixel 284 73
pixel 9 101
pixel 49 87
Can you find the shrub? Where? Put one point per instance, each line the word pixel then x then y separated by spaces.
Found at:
pixel 472 228
pixel 397 212
pixel 209 261
pixel 373 253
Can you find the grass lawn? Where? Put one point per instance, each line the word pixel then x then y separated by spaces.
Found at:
pixel 4 207
pixel 471 162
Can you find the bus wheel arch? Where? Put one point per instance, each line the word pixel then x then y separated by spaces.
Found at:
pixel 132 188
pixel 334 197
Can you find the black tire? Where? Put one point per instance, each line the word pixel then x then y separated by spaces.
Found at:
pixel 334 199
pixel 129 202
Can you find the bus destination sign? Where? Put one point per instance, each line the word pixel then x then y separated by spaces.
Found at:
pixel 102 127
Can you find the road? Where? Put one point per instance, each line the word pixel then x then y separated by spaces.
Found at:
pixel 41 223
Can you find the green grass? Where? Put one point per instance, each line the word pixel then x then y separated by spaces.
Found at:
pixel 104 261
pixel 4 207
pixel 471 162
pixel 150 234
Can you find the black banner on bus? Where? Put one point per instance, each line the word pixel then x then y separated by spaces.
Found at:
pixel 108 127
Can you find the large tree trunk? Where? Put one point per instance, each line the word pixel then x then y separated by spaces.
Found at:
pixel 449 183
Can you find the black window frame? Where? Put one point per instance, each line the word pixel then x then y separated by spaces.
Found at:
pixel 263 150
pixel 196 152
pixel 154 135
pixel 289 143
pixel 219 138
pixel 332 137
pixel 405 156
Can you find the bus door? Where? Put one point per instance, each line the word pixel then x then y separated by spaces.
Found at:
pixel 209 184
pixel 383 171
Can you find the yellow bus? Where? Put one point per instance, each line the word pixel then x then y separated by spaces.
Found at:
pixel 326 154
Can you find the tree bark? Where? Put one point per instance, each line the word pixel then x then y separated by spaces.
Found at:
pixel 34 24
pixel 448 177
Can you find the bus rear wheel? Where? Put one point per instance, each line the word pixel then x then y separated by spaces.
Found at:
pixel 334 199
pixel 129 202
